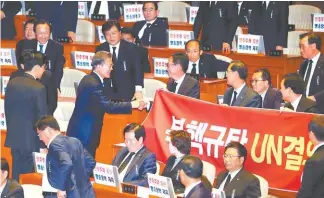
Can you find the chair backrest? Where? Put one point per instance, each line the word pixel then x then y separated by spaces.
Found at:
pixel 85 31
pixel 293 43
pixel 301 15
pixel 63 114
pixel 150 87
pixel 223 58
pixel 209 171
pixel 32 191
pixel 264 186
pixel 173 10
pixel 70 76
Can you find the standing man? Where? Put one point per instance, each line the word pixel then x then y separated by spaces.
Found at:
pixel 153 30
pixel 9 188
pixel 91 104
pixel 25 102
pixel 127 78
pixel 68 164
pixel 313 175
pixel 312 69
pixel 8 11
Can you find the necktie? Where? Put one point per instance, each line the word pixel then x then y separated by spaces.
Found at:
pixel 176 161
pixel 103 84
pixel 234 98
pixel 125 162
pixel 41 48
pixel 114 57
pixel 148 25
pixel 173 87
pixel 309 68
pixel 228 180
pixel 97 7
pixel 194 70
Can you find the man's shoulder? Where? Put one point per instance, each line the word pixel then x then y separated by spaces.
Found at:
pixel 190 80
pixel 250 92
pixel 14 187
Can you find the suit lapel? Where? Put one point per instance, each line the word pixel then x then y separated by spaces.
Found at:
pixel 135 160
pixel 6 189
pixel 230 93
pixel 240 97
pixel 266 98
pixel 235 182
pixel 121 157
pixel 202 70
pixel 221 179
pixel 316 78
pixel 183 87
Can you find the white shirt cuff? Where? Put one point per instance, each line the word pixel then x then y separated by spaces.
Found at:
pixel 138 88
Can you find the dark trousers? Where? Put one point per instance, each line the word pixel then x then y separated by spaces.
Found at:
pixel 22 162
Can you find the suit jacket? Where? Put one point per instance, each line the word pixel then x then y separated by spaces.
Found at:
pixel 173 174
pixel 272 23
pixel 156 35
pixel 316 87
pixel 247 97
pixel 307 105
pixel 244 183
pixel 12 189
pixel 68 167
pixel 189 87
pixel 52 77
pixel 272 99
pixel 113 9
pixel 90 107
pixel 218 23
pixel 144 59
pixel 10 9
pixel 199 191
pixel 245 15
pixel 143 162
pixel 126 74
pixel 313 176
pixel 25 102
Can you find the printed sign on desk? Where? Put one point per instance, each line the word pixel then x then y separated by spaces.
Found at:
pixel 3 124
pixel 7 56
pixel 133 13
pixel 250 44
pixel 318 22
pixel 178 38
pixel 106 175
pixel 191 14
pixel 39 162
pixel 82 10
pixel 99 35
pixel 4 83
pixel 160 67
pixel 82 60
pixel 160 186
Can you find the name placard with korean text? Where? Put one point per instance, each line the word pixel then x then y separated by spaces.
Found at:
pixel 3 124
pixel 4 83
pixel 82 10
pixel 7 56
pixel 191 14
pixel 106 175
pixel 160 186
pixel 178 38
pixel 99 35
pixel 39 162
pixel 318 22
pixel 133 13
pixel 82 60
pixel 160 67
pixel 250 44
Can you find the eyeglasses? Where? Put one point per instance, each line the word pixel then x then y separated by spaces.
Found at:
pixel 149 10
pixel 230 156
pixel 130 141
pixel 255 81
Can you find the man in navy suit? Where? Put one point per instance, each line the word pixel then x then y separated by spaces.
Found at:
pixel 127 78
pixel 240 94
pixel 135 161
pixel 68 164
pixel 91 104
pixel 153 30
pixel 190 172
pixel 261 83
pixel 8 11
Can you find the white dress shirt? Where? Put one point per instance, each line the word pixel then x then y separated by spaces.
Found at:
pixel 238 91
pixel 179 82
pixel 116 50
pixel 2 187
pixel 263 96
pixel 190 187
pixel 315 60
pixel 316 147
pixel 233 174
pixel 141 32
pixel 239 5
pixel 101 79
pixel 267 3
pixel 44 46
pixel 123 173
pixel 102 10
pixel 190 66
pixel 295 103
pixel 51 140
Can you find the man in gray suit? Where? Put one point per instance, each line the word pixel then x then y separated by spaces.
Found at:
pixel 179 82
pixel 240 94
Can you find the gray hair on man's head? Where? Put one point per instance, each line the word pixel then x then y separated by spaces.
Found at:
pixel 99 58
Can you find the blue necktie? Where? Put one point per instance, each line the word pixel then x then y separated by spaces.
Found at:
pixel 41 48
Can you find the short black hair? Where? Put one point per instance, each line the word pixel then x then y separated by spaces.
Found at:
pixel 109 24
pixel 312 38
pixel 241 150
pixel 99 58
pixel 240 67
pixel 153 2
pixel 295 82
pixel 316 125
pixel 30 21
pixel 47 121
pixel 194 40
pixel 192 166
pixel 181 140
pixel 265 75
pixel 41 22
pixel 138 130
pixel 5 166
pixel 32 58
pixel 181 59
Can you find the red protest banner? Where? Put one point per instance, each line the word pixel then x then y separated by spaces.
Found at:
pixel 277 142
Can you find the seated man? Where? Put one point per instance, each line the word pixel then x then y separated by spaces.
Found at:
pixel 179 82
pixel 206 65
pixel 190 172
pixel 235 177
pixel 8 188
pixel 240 94
pixel 135 161
pixel 29 29
pixel 292 89
pixel 261 83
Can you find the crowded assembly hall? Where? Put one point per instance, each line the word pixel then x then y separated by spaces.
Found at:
pixel 209 99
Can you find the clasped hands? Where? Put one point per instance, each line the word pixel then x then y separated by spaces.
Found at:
pixel 138 102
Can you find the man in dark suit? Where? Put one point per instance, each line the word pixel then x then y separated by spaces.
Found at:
pixel 68 164
pixel 235 177
pixel 312 69
pixel 9 188
pixel 261 83
pixel 127 78
pixel 91 104
pixel 206 65
pixel 190 172
pixel 153 30
pixel 179 82
pixel 240 94
pixel 135 160
pixel 8 11
pixel 126 34
pixel 292 89
pixel 313 175
pixel 218 23
pixel 109 8
pixel 31 95
pixel 272 23
pixel 54 54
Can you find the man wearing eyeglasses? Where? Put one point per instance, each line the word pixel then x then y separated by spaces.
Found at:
pixel 261 83
pixel 235 179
